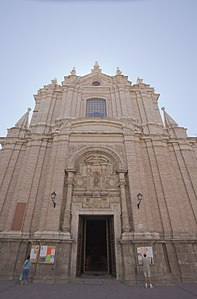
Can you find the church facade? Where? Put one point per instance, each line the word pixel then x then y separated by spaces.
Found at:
pixel 96 180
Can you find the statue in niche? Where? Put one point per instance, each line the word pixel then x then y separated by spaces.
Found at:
pixel 97 177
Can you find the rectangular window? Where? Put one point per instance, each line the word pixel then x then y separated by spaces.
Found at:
pixel 96 108
pixel 18 216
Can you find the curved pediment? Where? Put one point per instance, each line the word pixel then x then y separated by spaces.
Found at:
pixel 91 125
pixel 98 125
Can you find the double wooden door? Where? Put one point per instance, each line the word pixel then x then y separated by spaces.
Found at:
pixel 96 251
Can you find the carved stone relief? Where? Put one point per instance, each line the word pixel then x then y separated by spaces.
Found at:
pixel 96 203
pixel 96 173
pixel 96 182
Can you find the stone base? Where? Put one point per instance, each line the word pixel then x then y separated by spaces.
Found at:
pixel 174 261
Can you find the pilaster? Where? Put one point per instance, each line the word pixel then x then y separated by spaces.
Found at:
pixel 159 188
pixel 125 216
pixel 55 182
pixel 10 169
pixel 67 213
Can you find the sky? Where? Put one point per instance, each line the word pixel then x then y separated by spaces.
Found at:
pixel 151 39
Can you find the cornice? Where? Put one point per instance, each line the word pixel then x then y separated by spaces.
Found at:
pixel 13 140
pixel 192 140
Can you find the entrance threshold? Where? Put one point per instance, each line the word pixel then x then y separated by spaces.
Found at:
pixel 93 275
pixel 96 279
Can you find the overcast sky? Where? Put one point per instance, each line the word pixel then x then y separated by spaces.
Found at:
pixel 152 39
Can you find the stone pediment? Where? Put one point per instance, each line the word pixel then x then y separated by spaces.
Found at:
pixel 96 79
pixel 100 80
pixel 90 80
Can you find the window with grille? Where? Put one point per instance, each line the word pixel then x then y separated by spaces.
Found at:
pixel 96 108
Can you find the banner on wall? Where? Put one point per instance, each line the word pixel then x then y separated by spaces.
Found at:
pixel 34 253
pixel 148 250
pixel 47 254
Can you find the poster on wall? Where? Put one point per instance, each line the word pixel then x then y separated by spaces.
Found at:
pixel 34 253
pixel 47 254
pixel 148 250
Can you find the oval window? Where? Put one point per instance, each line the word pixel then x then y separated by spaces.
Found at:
pixel 96 83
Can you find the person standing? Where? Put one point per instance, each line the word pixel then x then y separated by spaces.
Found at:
pixel 25 273
pixel 146 270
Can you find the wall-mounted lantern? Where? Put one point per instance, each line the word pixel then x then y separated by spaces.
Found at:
pixel 53 196
pixel 139 198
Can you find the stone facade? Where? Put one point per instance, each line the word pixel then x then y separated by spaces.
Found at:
pixel 97 165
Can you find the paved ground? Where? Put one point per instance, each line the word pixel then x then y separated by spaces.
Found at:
pixel 92 289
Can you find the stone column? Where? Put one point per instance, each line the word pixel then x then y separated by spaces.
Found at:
pixel 125 216
pixel 67 214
